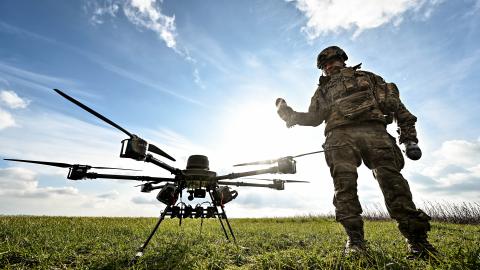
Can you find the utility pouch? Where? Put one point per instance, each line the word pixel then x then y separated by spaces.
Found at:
pixel 354 105
pixel 392 97
pixel 387 97
pixel 397 153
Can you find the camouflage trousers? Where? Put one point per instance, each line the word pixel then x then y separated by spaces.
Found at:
pixel 347 147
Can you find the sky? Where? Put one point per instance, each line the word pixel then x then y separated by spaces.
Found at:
pixel 201 77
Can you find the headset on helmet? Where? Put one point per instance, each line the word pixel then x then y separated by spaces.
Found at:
pixel 330 53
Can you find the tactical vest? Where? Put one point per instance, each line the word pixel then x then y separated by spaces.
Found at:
pixel 353 96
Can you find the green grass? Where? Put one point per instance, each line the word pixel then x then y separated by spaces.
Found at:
pixel 285 243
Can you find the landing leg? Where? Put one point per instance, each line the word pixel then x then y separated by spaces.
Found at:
pixel 221 216
pixel 142 247
pixel 228 223
pixel 218 215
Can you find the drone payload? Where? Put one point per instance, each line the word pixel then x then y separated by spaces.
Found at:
pixel 197 178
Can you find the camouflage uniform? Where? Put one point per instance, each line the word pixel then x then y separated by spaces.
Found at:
pixel 356 107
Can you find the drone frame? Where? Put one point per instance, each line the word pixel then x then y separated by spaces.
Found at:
pixel 206 181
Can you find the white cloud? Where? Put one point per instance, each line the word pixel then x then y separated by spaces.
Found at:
pixel 326 16
pixel 109 7
pixel 452 170
pixel 22 183
pixel 143 200
pixel 460 152
pixel 142 13
pixel 112 195
pixel 12 100
pixel 147 14
pixel 6 119
pixel 17 179
pixel 46 192
pixel 453 158
pixel 198 79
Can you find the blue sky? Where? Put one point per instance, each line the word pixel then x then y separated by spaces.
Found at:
pixel 202 77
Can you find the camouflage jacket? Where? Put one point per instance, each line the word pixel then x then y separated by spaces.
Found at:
pixel 352 96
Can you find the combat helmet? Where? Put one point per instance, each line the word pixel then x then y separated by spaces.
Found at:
pixel 330 53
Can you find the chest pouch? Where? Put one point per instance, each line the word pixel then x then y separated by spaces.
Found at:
pixel 356 97
pixel 356 104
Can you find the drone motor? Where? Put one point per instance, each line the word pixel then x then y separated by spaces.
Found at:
pixel 278 184
pixel 146 188
pixel 78 172
pixel 223 195
pixel 287 165
pixel 134 148
pixel 168 194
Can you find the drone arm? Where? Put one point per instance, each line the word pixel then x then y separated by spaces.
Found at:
pixel 127 177
pixel 273 169
pixel 278 186
pixel 159 163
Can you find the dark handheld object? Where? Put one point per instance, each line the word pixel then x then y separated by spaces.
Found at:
pixel 413 151
pixel 280 102
pixel 285 112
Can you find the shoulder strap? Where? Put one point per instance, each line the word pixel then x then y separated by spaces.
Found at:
pixel 322 81
pixel 358 66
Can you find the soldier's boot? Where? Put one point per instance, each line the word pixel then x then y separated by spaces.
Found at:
pixel 415 229
pixel 356 244
pixel 420 248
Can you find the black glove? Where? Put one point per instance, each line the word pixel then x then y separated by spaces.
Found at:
pixel 412 150
pixel 284 111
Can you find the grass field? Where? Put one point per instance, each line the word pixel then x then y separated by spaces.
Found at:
pixel 283 243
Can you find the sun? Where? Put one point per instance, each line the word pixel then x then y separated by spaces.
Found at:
pixel 253 130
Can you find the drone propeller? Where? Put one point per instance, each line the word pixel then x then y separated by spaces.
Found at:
pixel 64 165
pixel 284 180
pixel 271 161
pixel 152 148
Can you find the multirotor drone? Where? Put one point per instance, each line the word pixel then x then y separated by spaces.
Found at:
pixel 197 179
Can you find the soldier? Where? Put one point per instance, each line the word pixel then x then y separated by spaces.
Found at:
pixel 357 106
